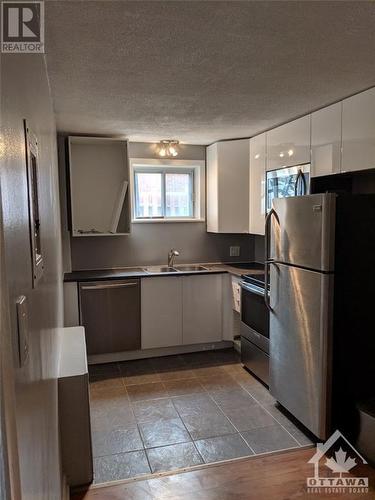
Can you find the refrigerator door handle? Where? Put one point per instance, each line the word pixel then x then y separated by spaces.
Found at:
pixel 296 183
pixel 267 260
pixel 300 177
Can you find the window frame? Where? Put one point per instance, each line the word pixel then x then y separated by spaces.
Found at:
pixel 194 168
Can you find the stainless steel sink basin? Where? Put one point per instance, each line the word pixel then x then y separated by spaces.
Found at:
pixel 192 267
pixel 160 269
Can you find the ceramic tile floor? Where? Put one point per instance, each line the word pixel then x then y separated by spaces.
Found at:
pixel 173 412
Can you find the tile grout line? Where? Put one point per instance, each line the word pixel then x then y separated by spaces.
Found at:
pixel 194 377
pixel 191 437
pixel 153 447
pixel 210 398
pixel 209 395
pixel 265 409
pixel 138 429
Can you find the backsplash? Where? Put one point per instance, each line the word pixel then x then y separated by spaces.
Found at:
pixel 148 244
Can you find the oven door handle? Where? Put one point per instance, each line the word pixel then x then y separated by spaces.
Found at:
pixel 267 260
pixel 249 288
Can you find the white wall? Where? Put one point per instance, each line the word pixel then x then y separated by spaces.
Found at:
pixel 25 86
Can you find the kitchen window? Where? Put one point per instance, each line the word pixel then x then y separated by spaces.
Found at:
pixel 166 193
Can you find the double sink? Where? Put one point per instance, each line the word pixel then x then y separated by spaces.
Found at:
pixel 176 269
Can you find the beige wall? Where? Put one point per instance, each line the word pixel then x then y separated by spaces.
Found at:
pixel 148 243
pixel 25 94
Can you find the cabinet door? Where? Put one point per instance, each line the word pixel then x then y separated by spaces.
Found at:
pixel 257 184
pixel 358 132
pixel 212 189
pixel 228 187
pixel 326 140
pixel 161 305
pixel 110 313
pixel 202 309
pixel 289 144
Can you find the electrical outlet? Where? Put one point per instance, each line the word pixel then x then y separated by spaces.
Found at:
pixel 234 251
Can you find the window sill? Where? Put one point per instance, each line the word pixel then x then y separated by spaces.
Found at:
pixel 165 221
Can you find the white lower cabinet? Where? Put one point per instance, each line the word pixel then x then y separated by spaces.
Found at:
pixel 202 309
pixel 161 306
pixel 183 310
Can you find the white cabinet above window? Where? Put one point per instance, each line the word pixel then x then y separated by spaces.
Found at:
pixel 326 140
pixel 289 144
pixel 228 187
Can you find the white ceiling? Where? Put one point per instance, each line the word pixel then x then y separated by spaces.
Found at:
pixel 201 71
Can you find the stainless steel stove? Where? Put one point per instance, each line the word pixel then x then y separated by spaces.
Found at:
pixel 255 326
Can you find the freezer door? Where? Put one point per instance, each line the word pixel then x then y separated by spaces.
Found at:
pixel 303 231
pixel 300 344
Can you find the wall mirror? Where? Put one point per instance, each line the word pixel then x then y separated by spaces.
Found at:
pixel 99 179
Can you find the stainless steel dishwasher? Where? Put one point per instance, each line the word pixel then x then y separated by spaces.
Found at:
pixel 110 311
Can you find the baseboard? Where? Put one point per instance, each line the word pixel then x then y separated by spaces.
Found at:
pixel 154 353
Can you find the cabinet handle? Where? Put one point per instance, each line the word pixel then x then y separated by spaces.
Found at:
pixel 103 287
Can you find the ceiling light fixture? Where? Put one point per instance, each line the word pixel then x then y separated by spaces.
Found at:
pixel 168 148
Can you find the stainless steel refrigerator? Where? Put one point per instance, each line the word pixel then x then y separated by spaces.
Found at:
pixel 307 246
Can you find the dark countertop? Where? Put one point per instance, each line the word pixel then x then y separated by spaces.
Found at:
pixel 238 269
pixel 138 272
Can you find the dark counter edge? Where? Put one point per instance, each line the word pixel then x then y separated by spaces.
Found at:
pixel 108 275
pixel 100 276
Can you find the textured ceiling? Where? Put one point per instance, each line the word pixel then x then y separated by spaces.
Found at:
pixel 201 71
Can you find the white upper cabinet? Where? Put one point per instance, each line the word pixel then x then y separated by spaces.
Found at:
pixel 326 140
pixel 99 178
pixel 257 184
pixel 358 132
pixel 228 187
pixel 289 144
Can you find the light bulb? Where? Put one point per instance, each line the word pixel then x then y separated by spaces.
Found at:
pixel 257 156
pixel 172 151
pixel 162 152
pixel 281 155
pixel 290 152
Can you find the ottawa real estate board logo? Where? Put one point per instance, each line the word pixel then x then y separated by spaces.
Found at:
pixel 22 27
pixel 335 463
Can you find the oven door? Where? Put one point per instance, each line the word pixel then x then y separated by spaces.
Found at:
pixel 254 316
pixel 286 182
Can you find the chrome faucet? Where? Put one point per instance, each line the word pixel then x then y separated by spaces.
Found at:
pixel 171 255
